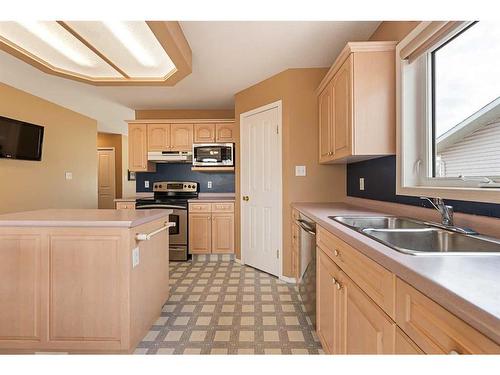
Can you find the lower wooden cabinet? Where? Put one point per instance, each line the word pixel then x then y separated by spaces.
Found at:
pixel 211 228
pixel 348 321
pixel 355 297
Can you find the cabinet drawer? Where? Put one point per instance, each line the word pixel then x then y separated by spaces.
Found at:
pixel 371 277
pixel 199 207
pixel 125 205
pixel 434 329
pixel 223 207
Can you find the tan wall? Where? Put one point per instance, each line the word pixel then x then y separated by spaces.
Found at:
pixel 296 89
pixel 393 30
pixel 145 114
pixel 69 146
pixel 114 140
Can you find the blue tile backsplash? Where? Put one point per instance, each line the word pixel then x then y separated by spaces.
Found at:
pixel 221 182
pixel 380 184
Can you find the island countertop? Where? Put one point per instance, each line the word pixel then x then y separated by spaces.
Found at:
pixel 467 286
pixel 82 218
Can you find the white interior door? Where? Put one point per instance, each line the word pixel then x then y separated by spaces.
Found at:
pixel 261 218
pixel 106 178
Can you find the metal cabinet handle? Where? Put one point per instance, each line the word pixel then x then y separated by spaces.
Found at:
pixel 338 285
pixel 453 352
pixel 333 280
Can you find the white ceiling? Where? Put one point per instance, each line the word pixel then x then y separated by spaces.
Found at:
pixel 227 58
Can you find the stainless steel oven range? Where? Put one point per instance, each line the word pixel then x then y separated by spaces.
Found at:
pixel 173 195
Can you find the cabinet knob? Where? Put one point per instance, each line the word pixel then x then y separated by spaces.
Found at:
pixel 334 280
pixel 338 285
pixel 453 352
pixel 336 252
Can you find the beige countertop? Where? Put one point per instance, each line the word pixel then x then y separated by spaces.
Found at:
pixel 467 286
pixel 82 218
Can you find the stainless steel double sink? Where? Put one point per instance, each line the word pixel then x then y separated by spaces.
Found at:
pixel 416 237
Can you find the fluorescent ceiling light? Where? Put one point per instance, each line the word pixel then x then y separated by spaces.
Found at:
pixel 55 41
pixel 129 41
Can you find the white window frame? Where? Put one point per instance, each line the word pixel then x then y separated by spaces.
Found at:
pixel 414 154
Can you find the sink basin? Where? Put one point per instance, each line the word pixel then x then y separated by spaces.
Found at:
pixel 379 222
pixel 433 241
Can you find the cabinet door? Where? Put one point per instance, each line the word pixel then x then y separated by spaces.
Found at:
pixel 181 137
pixel 365 329
pixel 325 102
pixel 342 110
pixel 200 233
pixel 404 345
pixel 225 133
pixel 204 133
pixel 223 233
pixel 158 137
pixel 137 147
pixel 327 318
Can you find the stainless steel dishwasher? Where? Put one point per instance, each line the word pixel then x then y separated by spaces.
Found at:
pixel 307 254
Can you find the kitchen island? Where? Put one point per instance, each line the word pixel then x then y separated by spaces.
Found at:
pixel 81 281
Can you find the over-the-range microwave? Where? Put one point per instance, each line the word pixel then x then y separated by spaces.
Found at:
pixel 213 155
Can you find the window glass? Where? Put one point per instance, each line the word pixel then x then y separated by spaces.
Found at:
pixel 466 103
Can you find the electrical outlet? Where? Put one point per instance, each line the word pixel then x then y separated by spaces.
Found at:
pixel 300 170
pixel 135 257
pixel 361 183
pixel 68 175
pixel 209 184
pixel 146 184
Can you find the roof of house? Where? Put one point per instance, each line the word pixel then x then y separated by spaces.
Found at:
pixel 484 116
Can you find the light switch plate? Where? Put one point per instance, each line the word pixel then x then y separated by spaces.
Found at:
pixel 68 175
pixel 361 183
pixel 300 170
pixel 146 184
pixel 135 257
pixel 209 184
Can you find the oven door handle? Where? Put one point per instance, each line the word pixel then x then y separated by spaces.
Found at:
pixel 308 229
pixel 146 206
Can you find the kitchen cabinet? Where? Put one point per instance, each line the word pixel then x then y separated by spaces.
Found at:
pixel 363 308
pixel 348 321
pixel 434 329
pixel 356 104
pixel 200 233
pixel 204 133
pixel 158 137
pixel 138 149
pixel 211 228
pixel 129 205
pixel 225 133
pixel 181 137
pixel 170 137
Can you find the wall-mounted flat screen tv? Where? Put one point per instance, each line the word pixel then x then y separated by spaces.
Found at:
pixel 20 140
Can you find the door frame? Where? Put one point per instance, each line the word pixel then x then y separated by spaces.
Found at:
pixel 279 105
pixel 114 172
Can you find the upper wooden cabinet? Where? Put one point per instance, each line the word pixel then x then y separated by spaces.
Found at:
pixel 170 137
pixel 158 137
pixel 356 104
pixel 181 137
pixel 209 132
pixel 138 148
pixel 224 133
pixel 204 133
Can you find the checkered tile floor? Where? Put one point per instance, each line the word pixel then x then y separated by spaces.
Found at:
pixel 225 308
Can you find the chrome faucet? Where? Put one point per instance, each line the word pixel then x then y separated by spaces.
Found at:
pixel 445 211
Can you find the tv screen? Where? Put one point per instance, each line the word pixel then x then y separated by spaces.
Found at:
pixel 20 140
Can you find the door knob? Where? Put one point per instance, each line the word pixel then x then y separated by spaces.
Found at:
pixel 246 198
